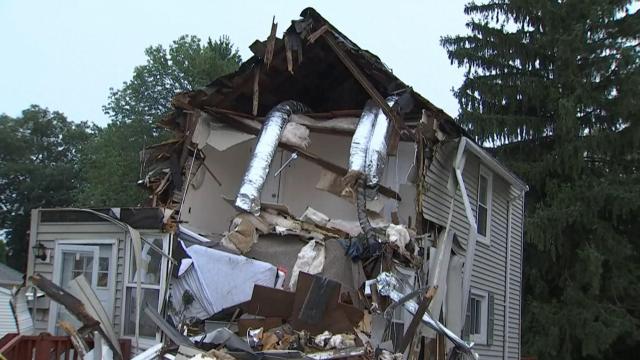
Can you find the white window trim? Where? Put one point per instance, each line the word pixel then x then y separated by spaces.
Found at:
pixel 485 239
pixel 143 343
pixel 481 338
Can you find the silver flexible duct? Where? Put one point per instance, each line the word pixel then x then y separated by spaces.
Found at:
pixel 377 149
pixel 389 285
pixel 248 198
pixel 361 138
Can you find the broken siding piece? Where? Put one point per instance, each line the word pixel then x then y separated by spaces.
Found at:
pixel 438 270
pixel 83 291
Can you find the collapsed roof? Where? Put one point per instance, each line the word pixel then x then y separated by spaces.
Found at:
pixel 306 66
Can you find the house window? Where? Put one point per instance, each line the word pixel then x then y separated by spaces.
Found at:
pixel 82 265
pixel 103 272
pixel 478 325
pixel 483 210
pixel 152 279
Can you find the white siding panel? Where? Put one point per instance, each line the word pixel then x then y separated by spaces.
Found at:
pixel 7 320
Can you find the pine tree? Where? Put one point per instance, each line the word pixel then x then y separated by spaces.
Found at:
pixel 555 84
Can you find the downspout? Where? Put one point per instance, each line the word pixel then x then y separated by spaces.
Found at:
pixel 507 291
pixel 458 167
pixel 507 276
pixel 521 261
pixel 248 198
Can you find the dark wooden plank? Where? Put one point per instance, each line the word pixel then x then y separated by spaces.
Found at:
pixel 363 80
pixel 63 297
pixel 417 318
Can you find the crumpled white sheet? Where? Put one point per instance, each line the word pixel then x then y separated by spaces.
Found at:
pixel 399 235
pixel 227 278
pixel 310 260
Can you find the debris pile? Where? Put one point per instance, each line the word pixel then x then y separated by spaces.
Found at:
pixel 358 272
pixel 275 281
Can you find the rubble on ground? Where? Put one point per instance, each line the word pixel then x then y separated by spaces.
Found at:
pixel 276 285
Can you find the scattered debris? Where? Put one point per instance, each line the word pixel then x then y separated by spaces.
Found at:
pixel 288 238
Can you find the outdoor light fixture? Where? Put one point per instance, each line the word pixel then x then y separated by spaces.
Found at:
pixel 40 252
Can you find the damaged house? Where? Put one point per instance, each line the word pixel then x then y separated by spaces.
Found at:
pixel 312 189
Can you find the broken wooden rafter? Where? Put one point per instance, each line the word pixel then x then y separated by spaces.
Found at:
pixel 320 115
pixel 256 91
pixel 64 298
pixel 287 46
pixel 76 338
pixel 271 43
pixel 397 121
pixel 316 34
pixel 254 129
pixel 417 318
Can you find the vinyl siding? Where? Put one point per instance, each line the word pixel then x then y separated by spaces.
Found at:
pixel 49 234
pixel 490 260
pixel 7 319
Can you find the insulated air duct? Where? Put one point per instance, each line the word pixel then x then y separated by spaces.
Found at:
pixel 367 157
pixel 248 198
pixel 377 149
pixel 361 138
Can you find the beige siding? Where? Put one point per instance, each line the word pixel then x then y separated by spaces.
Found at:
pixel 490 260
pixel 49 234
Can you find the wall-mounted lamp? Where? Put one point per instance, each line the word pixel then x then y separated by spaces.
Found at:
pixel 40 252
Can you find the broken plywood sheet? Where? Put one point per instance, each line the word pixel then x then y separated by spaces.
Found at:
pixel 283 252
pixel 314 306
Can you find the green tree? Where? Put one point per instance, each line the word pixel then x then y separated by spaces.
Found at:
pixel 3 252
pixel 111 165
pixel 38 168
pixel 555 83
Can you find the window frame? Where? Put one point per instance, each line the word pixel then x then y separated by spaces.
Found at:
pixel 144 342
pixel 483 297
pixel 486 173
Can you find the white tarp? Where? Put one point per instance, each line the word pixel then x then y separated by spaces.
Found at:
pixel 228 278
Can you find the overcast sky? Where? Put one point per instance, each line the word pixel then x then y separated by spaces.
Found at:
pixel 65 55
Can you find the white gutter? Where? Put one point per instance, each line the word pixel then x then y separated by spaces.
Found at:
pixel 521 276
pixel 458 167
pixel 493 164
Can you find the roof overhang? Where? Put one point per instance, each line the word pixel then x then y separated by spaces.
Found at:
pixel 492 163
